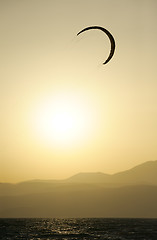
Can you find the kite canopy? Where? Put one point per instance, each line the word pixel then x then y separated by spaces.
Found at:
pixel 110 37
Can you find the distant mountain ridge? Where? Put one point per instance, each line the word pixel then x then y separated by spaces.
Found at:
pixel 88 177
pixel 145 173
pixel 131 193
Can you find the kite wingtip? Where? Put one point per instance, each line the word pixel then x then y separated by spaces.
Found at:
pixel 106 61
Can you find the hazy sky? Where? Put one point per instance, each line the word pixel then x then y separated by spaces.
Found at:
pixel 62 110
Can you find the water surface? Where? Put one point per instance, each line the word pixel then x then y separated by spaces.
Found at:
pixel 78 229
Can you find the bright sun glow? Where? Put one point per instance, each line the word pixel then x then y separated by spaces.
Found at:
pixel 63 119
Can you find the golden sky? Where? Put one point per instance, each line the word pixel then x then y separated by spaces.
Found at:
pixel 62 110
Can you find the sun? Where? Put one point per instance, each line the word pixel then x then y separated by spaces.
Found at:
pixel 63 119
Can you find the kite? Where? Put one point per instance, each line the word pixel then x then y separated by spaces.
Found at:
pixel 112 41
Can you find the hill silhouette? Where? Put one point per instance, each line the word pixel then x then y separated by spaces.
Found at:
pixel 132 193
pixel 145 173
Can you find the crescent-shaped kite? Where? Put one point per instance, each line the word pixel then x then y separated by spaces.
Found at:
pixel 110 37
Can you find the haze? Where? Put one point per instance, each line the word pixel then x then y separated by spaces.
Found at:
pixel 62 110
pixel 129 194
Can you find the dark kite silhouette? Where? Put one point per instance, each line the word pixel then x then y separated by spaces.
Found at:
pixel 110 37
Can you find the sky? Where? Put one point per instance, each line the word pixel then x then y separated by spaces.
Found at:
pixel 62 110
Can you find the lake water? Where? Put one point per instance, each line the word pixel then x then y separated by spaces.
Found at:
pixel 78 229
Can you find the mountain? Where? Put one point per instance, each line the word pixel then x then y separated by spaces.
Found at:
pixel 145 173
pixel 131 193
pixel 90 178
pixel 128 202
